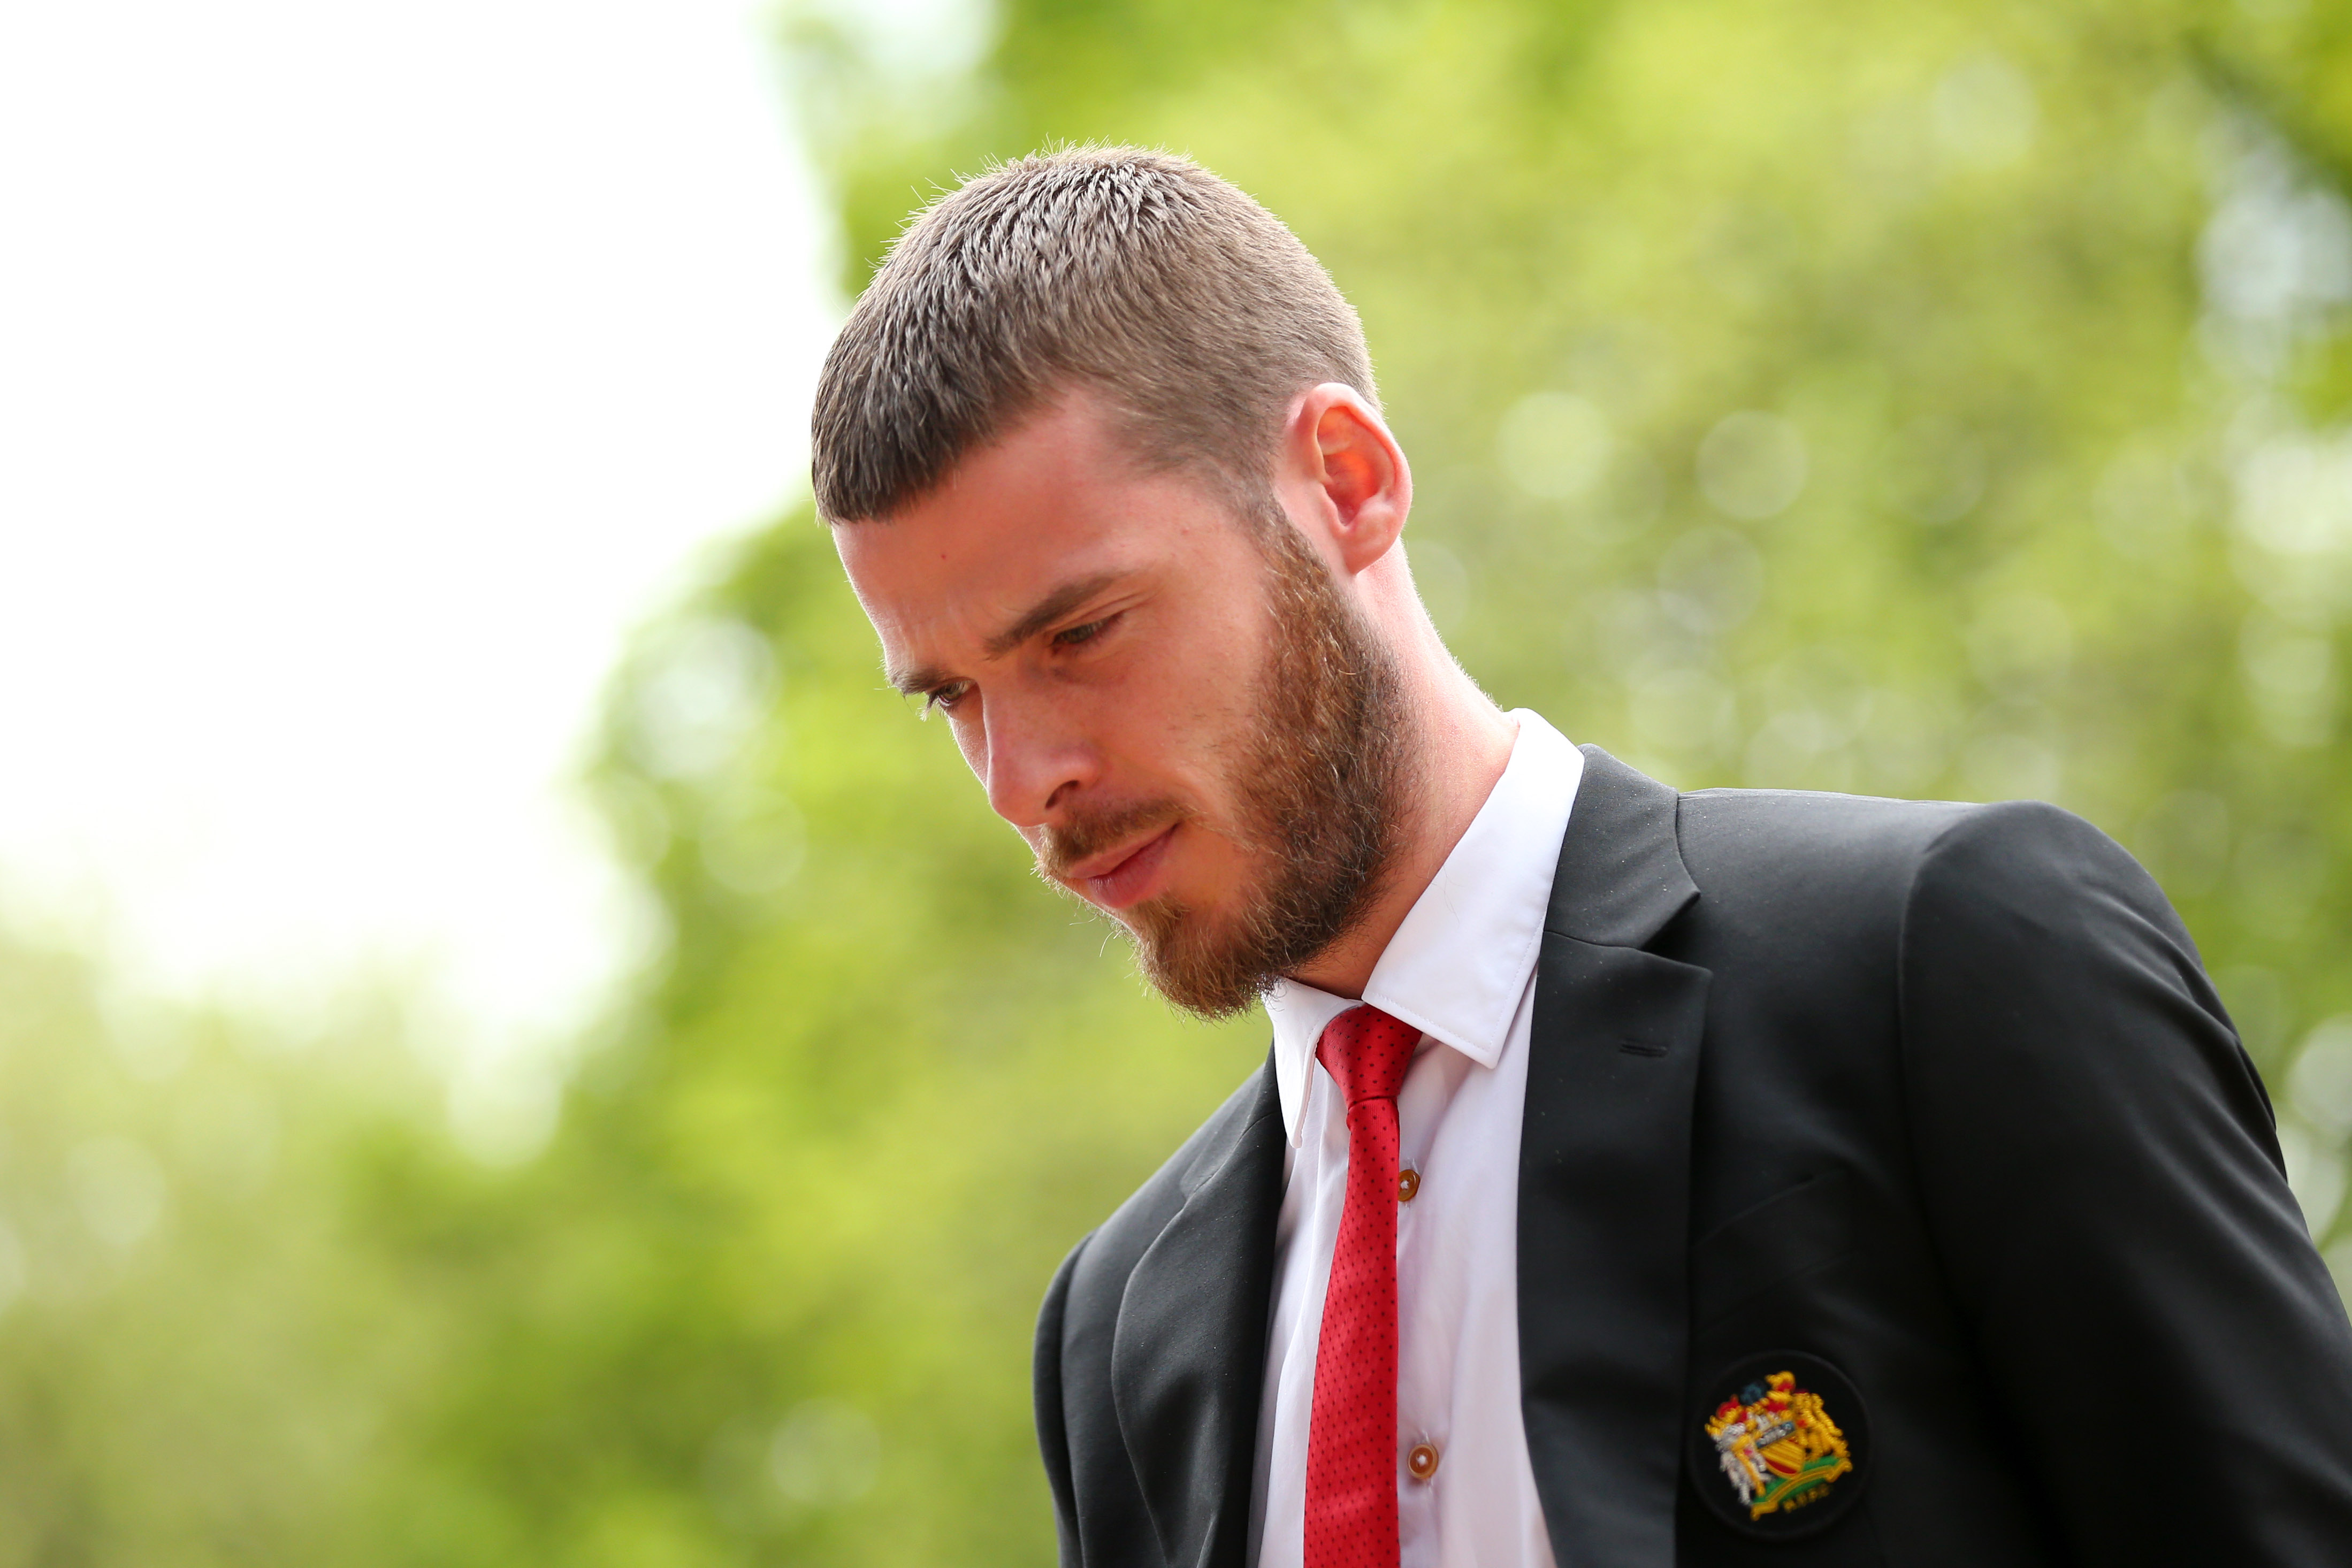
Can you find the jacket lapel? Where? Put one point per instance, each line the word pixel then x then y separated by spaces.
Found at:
pixel 1604 1179
pixel 1188 1355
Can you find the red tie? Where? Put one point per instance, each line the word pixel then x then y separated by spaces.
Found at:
pixel 1351 1438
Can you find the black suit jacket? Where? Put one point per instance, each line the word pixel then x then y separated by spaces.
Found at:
pixel 1936 1096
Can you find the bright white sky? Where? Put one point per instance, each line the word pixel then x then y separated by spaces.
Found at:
pixel 366 373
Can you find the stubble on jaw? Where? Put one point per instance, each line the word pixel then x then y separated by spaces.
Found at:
pixel 1322 786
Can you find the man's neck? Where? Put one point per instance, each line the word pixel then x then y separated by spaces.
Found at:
pixel 1462 743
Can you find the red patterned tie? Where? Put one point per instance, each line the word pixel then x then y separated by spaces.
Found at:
pixel 1351 1438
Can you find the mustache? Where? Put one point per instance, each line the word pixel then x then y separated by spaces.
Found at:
pixel 1083 835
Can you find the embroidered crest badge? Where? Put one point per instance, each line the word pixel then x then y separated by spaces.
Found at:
pixel 1779 1446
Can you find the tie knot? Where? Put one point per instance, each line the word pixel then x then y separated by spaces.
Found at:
pixel 1365 1051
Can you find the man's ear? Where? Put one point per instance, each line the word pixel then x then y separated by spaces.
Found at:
pixel 1342 477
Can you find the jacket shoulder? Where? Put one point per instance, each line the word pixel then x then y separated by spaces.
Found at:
pixel 1100 1498
pixel 1103 1261
pixel 1770 849
pixel 1802 831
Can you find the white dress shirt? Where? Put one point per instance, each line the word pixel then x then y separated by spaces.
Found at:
pixel 1462 970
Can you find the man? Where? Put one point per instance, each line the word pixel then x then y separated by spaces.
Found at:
pixel 1635 1178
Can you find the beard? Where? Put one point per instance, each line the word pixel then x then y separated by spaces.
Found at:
pixel 1322 786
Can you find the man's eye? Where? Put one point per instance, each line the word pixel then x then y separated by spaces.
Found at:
pixel 1071 636
pixel 943 699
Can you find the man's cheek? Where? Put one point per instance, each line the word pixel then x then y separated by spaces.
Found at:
pixel 972 740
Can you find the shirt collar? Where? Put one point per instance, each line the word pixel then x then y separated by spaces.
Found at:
pixel 1458 966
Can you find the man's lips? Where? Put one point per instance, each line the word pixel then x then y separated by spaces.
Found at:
pixel 1123 876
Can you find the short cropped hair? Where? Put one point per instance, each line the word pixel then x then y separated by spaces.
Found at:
pixel 1137 273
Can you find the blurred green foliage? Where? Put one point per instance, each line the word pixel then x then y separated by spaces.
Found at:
pixel 1944 399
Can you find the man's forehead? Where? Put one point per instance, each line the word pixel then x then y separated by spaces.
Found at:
pixel 949 567
pixel 947 593
pixel 1009 526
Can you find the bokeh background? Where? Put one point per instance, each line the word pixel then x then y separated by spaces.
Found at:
pixel 1936 400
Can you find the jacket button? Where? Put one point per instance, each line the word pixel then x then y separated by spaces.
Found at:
pixel 1422 1462
pixel 1408 1183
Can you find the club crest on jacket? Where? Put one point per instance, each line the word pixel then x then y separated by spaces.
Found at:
pixel 1780 1444
pixel 1777 1446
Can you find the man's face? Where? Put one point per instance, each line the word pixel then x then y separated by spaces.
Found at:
pixel 1175 707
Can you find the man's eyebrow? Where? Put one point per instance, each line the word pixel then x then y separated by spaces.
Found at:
pixel 1047 610
pixel 1044 613
pixel 915 683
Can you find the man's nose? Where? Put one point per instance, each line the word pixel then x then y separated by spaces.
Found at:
pixel 1035 760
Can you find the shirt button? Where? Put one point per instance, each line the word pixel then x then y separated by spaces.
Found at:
pixel 1421 1460
pixel 1408 1183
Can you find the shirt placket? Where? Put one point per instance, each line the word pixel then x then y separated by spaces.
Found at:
pixel 1420 1407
